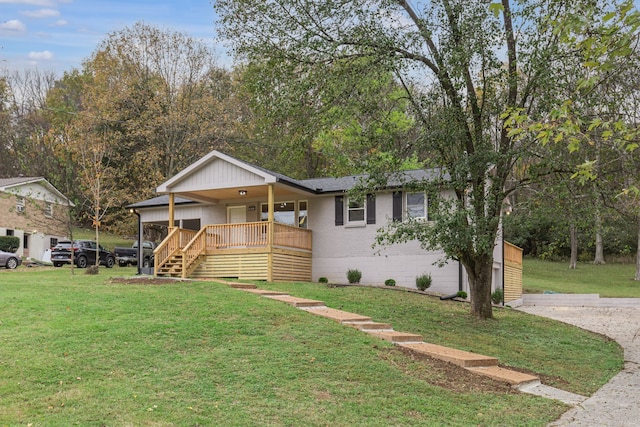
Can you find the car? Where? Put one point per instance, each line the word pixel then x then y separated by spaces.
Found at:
pixel 9 260
pixel 84 254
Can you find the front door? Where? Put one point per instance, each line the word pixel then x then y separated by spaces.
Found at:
pixel 236 214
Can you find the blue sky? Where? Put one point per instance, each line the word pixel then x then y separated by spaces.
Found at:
pixel 57 35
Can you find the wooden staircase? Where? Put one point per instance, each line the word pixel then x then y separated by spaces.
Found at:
pixel 171 268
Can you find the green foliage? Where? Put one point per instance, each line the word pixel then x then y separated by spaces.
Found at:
pixel 497 296
pixel 9 243
pixel 390 282
pixel 323 280
pixel 354 275
pixel 423 282
pixel 461 294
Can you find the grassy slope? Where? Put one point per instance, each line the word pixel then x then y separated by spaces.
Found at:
pixel 79 350
pixel 107 240
pixel 609 280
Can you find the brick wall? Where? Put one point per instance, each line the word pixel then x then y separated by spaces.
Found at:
pixel 33 218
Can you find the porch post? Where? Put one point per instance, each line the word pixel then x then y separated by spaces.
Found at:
pixel 271 221
pixel 171 211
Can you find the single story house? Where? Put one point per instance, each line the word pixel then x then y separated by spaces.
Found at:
pixel 229 218
pixel 33 210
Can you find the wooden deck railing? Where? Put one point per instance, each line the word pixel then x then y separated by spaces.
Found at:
pixel 512 253
pixel 292 237
pixel 192 244
pixel 171 245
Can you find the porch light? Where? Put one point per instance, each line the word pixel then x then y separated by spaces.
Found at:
pixel 242 192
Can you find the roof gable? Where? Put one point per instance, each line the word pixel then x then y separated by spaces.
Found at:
pixel 35 188
pixel 216 170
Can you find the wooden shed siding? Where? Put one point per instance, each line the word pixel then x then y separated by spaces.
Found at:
pixel 512 272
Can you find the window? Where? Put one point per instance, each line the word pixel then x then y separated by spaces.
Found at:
pixel 285 213
pixel 48 210
pixel 20 205
pixel 302 214
pixel 355 211
pixel 417 206
pixel 52 242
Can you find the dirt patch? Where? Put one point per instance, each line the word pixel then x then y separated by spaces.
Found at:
pixel 443 374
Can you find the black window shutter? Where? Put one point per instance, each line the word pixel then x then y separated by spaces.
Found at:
pixel 371 209
pixel 339 210
pixel 397 206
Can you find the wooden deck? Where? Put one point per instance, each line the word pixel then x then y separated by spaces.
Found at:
pixel 248 251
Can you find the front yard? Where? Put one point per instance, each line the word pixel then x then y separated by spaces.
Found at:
pixel 83 350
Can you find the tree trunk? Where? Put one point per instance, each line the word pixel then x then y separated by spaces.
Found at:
pixel 574 246
pixel 480 277
pixel 599 258
pixel 638 254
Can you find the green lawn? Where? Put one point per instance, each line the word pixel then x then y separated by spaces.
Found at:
pixel 79 350
pixel 608 280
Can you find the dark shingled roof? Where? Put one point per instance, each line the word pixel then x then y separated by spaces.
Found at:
pixel 8 182
pixel 159 201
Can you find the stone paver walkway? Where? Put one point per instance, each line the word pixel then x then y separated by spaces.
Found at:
pixel 475 363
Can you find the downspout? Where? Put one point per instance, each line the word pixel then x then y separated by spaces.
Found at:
pixel 139 255
pixel 270 221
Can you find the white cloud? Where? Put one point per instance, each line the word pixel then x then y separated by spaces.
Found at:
pixel 41 13
pixel 13 26
pixel 39 56
pixel 61 23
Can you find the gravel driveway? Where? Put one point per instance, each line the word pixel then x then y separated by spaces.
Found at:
pixel 617 403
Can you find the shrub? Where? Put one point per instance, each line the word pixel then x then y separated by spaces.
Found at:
pixel 496 296
pixel 354 276
pixel 323 280
pixel 462 294
pixel 94 269
pixel 9 243
pixel 423 282
pixel 389 282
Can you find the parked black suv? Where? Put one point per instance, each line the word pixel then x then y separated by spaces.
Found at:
pixel 84 254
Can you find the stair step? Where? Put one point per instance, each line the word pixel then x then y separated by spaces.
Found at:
pixel 396 337
pixel 243 285
pixel 264 292
pixel 514 378
pixel 370 326
pixel 458 357
pixel 297 302
pixel 337 315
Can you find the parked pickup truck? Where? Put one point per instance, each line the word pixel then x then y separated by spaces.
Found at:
pixel 129 256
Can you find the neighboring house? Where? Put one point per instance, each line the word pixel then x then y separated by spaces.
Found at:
pixel 35 211
pixel 229 218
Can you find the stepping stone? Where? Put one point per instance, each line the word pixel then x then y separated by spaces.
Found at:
pixel 514 378
pixel 337 315
pixel 370 326
pixel 265 292
pixel 396 337
pixel 297 302
pixel 457 357
pixel 242 285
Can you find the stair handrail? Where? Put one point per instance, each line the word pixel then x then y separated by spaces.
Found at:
pixel 193 250
pixel 165 250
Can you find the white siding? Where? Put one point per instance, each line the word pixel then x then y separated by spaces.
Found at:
pixel 217 174
pixel 37 191
pixel 337 249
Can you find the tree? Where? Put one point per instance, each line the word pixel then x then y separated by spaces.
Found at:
pixel 462 68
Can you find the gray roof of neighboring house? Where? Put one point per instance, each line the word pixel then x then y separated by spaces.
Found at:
pixel 159 201
pixel 9 182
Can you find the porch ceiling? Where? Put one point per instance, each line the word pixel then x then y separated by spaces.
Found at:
pixel 233 193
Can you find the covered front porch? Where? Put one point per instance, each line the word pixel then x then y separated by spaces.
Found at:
pixel 255 224
pixel 248 251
